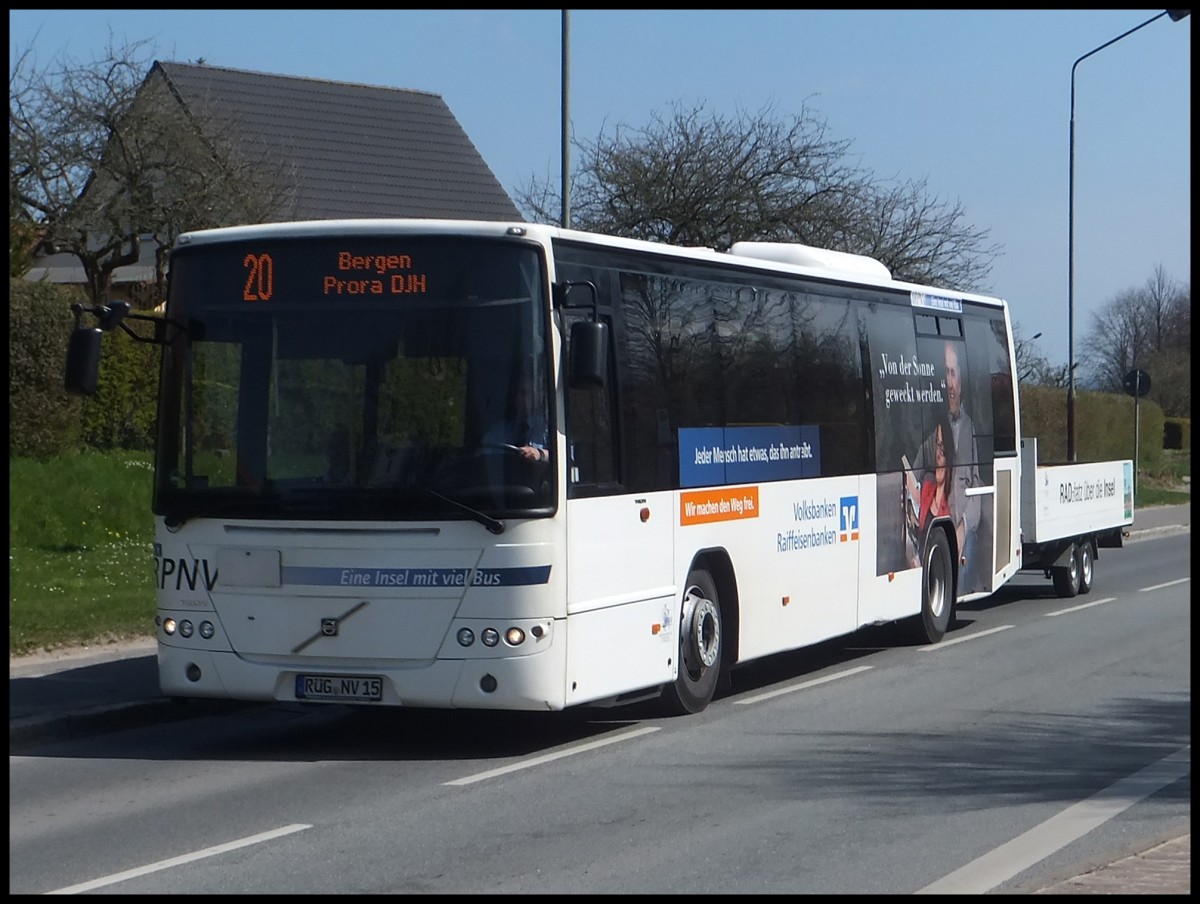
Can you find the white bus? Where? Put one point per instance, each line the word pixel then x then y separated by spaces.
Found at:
pixel 724 471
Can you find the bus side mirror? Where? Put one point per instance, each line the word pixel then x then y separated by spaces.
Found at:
pixel 83 360
pixel 589 354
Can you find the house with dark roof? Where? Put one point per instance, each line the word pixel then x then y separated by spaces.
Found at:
pixel 355 151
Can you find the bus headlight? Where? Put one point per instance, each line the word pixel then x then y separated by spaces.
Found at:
pixel 466 637
pixel 168 626
pixel 186 628
pixel 514 637
pixel 207 630
pixel 490 637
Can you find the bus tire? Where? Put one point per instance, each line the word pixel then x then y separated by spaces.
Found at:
pixel 1066 577
pixel 700 648
pixel 937 590
pixel 1087 565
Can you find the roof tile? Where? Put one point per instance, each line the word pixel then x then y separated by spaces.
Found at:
pixel 357 150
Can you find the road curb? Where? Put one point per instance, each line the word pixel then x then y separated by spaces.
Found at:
pixel 1149 533
pixel 1165 868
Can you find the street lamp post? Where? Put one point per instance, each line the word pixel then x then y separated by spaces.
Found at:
pixel 1175 15
pixel 1028 370
pixel 566 119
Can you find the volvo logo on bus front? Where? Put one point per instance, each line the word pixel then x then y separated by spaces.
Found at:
pixel 329 627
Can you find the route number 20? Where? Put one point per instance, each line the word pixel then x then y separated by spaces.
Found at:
pixel 260 277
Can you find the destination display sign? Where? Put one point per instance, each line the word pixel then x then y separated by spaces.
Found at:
pixel 346 273
pixel 333 269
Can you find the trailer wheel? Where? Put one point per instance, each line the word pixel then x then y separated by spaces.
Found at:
pixel 937 590
pixel 1087 565
pixel 1066 577
pixel 699 648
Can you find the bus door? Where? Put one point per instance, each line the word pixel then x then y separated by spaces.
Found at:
pixel 621 600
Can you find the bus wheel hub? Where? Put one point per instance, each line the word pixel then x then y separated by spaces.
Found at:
pixel 702 625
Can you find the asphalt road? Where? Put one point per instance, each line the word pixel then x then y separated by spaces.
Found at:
pixel 79 692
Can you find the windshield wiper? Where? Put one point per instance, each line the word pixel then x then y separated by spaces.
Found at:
pixel 494 525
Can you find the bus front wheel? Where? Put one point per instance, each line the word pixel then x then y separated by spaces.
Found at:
pixel 699 648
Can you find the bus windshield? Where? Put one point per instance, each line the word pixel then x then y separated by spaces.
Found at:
pixel 366 377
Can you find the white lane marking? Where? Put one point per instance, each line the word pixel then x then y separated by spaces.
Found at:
pixel 997 866
pixel 1107 599
pixel 1167 584
pixel 758 698
pixel 550 757
pixel 180 860
pixel 933 647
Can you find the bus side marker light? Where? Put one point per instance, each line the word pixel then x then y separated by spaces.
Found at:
pixel 655 628
pixel 891 576
pixel 645 515
pixel 788 599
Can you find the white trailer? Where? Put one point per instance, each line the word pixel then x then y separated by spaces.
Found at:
pixel 1068 513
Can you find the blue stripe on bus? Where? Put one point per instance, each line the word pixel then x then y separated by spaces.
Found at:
pixel 416 577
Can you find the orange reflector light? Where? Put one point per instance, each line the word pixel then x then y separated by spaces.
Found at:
pixel 786 600
pixel 655 628
pixel 645 515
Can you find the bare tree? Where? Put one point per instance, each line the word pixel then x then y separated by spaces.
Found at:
pixel 102 154
pixel 695 178
pixel 920 237
pixel 1117 340
pixel 1169 310
pixel 1148 329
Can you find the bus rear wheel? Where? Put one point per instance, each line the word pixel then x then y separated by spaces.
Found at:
pixel 699 648
pixel 937 590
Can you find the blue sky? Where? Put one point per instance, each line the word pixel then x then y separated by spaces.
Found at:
pixel 976 102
